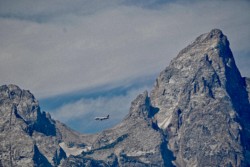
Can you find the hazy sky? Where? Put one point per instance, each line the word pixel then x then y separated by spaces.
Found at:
pixel 83 58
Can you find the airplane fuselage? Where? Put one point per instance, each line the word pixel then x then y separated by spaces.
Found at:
pixel 102 118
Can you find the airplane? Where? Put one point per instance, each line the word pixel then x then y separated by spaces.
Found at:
pixel 102 118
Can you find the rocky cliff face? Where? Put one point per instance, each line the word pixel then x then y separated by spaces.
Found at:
pixel 196 115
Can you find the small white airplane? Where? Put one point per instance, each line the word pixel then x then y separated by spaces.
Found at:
pixel 102 118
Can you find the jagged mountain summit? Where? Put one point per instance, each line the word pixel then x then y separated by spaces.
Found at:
pixel 196 115
pixel 203 105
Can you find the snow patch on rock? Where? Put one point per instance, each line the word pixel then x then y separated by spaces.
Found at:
pixel 73 150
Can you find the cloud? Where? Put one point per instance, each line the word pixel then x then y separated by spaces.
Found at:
pixel 45 10
pixel 68 46
pixel 80 114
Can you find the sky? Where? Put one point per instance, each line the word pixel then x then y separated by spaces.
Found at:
pixel 87 58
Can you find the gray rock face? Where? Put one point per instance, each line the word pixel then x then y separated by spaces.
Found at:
pixel 203 105
pixel 197 115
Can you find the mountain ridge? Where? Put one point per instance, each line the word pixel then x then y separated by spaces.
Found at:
pixel 192 117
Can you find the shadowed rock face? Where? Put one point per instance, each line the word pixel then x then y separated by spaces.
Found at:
pixel 196 115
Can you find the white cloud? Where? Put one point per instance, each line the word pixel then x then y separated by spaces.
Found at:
pixel 114 44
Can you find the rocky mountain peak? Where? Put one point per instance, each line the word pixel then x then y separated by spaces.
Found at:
pixel 213 47
pixel 26 129
pixel 214 34
pixel 140 106
pixel 214 39
pixel 25 107
pixel 22 101
pixel 198 91
pixel 208 58
pixel 197 114
pixel 14 94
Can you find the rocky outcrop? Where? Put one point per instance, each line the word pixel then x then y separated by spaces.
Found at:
pixel 197 114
